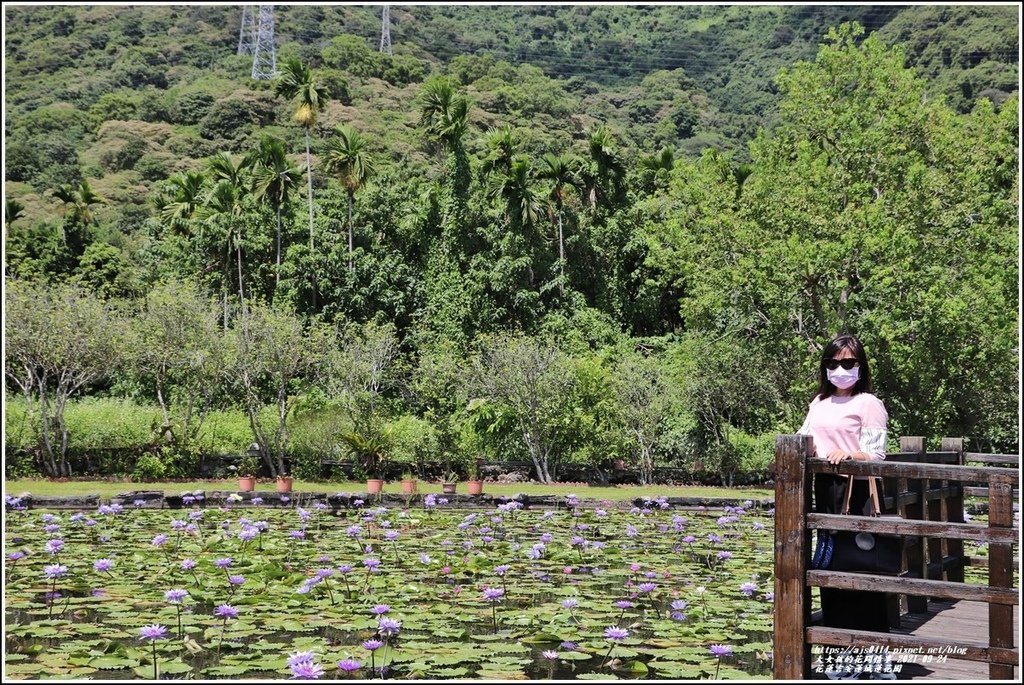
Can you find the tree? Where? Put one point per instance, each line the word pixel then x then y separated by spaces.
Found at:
pixel 644 402
pixel 79 201
pixel 346 156
pixel 13 210
pixel 532 378
pixel 295 82
pixel 360 368
pixel 605 180
pixel 561 171
pixel 78 217
pixel 225 201
pixel 175 346
pixel 185 199
pixel 273 360
pixel 58 340
pixel 273 180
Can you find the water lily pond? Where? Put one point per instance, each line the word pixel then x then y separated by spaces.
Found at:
pixel 431 592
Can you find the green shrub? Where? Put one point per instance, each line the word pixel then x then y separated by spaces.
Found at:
pixel 124 154
pixel 149 467
pixel 152 168
pixel 98 423
pixel 413 441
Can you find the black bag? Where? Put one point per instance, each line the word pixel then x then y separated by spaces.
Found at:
pixel 859 552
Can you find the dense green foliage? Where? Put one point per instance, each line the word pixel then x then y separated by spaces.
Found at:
pixel 562 235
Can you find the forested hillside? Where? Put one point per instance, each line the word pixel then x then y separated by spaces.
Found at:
pixel 553 233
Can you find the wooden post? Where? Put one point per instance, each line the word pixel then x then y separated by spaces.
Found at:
pixel 955 512
pixel 792 605
pixel 916 558
pixel 1000 572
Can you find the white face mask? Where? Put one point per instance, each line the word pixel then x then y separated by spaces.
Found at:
pixel 843 379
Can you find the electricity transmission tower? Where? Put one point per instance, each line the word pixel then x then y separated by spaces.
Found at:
pixel 385 31
pixel 264 55
pixel 247 32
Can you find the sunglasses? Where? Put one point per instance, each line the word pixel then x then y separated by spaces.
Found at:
pixel 833 364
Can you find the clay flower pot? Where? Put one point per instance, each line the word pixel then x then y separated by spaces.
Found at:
pixel 284 483
pixel 246 483
pixel 374 485
pixel 475 487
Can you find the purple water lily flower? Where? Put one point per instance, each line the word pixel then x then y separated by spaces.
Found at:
pixel 223 563
pixel 188 564
pixel 299 657
pixel 226 611
pixel 616 634
pixel 153 632
pixel 388 627
pixel 372 645
pixel 568 646
pixel 54 546
pixel 53 571
pixel 236 580
pixel 380 609
pixel 723 555
pixel 720 650
pixel 175 596
pixel 307 670
pixel 349 665
pixel 159 540
pixel 549 654
pixel 493 594
pixel 748 589
pixel 570 603
pixel 103 565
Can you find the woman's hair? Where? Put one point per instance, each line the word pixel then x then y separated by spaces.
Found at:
pixel 843 342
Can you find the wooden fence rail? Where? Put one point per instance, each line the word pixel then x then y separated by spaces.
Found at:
pixel 928 493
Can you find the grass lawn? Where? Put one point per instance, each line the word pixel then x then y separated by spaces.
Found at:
pixel 106 488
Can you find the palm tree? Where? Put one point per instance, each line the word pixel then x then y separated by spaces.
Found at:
pixel 80 199
pixel 186 192
pixel 347 157
pixel 225 199
pixel 517 190
pixel 560 170
pixel 295 82
pixel 13 210
pixel 609 172
pixel 502 148
pixel 273 179
pixel 444 113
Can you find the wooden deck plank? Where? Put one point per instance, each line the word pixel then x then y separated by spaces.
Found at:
pixel 948 619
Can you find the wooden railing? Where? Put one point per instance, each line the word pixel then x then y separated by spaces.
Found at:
pixel 928 486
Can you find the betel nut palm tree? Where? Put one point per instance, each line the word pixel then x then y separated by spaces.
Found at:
pixel 347 157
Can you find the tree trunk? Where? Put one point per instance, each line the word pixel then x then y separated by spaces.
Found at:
pixel 238 250
pixel 350 243
pixel 277 272
pixel 309 194
pixel 561 256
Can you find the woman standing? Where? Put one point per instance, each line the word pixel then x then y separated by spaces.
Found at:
pixel 846 422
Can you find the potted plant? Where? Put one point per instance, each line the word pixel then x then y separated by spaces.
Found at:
pixel 408 483
pixel 247 470
pixel 284 483
pixel 371 451
pixel 448 482
pixel 475 486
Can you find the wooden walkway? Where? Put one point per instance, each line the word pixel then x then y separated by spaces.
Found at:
pixel 947 619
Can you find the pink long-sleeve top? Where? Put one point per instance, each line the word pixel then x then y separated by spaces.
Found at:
pixel 857 423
